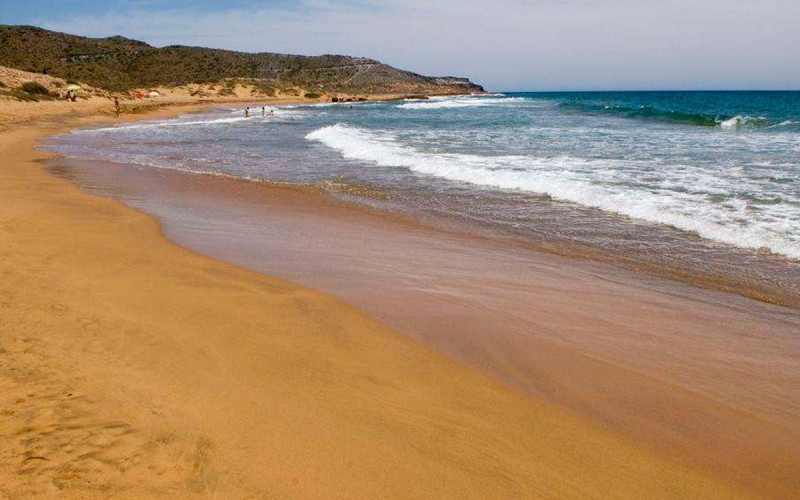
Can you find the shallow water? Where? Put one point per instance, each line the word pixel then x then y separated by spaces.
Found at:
pixel 702 185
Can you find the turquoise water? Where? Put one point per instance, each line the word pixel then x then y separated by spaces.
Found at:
pixel 704 183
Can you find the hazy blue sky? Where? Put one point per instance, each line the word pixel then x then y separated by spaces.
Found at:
pixel 503 44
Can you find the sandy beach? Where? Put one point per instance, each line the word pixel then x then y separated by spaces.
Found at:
pixel 704 375
pixel 135 368
pixel 652 358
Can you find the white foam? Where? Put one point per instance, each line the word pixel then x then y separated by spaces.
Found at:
pixel 447 102
pixel 161 124
pixel 577 180
pixel 785 123
pixel 741 121
pixel 313 105
pixel 255 114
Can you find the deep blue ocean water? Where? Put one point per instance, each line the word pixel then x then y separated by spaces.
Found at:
pixel 705 180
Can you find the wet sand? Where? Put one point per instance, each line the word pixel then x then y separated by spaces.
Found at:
pixel 709 378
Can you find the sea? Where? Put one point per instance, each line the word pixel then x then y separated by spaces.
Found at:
pixel 700 186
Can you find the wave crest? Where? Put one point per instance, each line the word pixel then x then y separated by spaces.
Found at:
pixel 673 116
pixel 444 102
pixel 558 178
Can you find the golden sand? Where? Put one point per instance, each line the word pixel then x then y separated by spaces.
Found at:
pixel 707 376
pixel 133 368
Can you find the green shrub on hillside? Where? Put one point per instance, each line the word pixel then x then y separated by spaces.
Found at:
pixel 264 87
pixel 34 88
pixel 312 95
pixel 19 95
pixel 229 88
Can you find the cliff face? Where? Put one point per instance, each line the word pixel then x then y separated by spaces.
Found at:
pixel 118 63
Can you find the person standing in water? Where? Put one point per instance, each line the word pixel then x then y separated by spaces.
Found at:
pixel 247 112
pixel 263 111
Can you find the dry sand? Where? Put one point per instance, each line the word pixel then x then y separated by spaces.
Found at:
pixel 132 368
pixel 707 375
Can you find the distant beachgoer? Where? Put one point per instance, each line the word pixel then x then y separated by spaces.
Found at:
pixel 247 112
pixel 116 106
pixel 263 111
pixel 68 95
pixel 272 111
pixel 73 97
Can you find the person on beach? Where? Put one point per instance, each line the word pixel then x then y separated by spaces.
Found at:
pixel 263 111
pixel 247 112
pixel 116 106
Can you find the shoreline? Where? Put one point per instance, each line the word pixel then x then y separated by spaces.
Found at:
pixel 116 329
pixel 769 289
pixel 604 343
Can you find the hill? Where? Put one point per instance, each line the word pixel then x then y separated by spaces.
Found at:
pixel 119 64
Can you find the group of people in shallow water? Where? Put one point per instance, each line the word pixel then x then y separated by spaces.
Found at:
pixel 263 111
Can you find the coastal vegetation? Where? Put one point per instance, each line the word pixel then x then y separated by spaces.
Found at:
pixel 35 88
pixel 119 64
pixel 29 91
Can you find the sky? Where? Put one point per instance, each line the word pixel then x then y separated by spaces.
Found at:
pixel 505 45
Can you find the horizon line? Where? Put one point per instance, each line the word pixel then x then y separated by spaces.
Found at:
pixel 642 90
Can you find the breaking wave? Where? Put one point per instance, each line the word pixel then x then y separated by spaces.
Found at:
pixel 673 116
pixel 442 102
pixel 566 178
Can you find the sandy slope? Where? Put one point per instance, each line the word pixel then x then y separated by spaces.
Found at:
pixel 132 368
pixel 97 101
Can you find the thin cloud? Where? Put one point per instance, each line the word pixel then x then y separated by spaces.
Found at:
pixel 508 44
